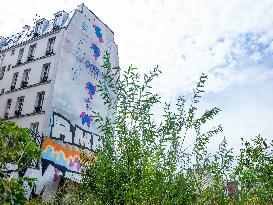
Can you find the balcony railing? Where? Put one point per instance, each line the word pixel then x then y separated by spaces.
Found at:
pixel 56 27
pixel 44 79
pixel 6 115
pixel 19 62
pixel 38 109
pixel 35 34
pixel 24 84
pixel 17 113
pixel 30 58
pixel 49 52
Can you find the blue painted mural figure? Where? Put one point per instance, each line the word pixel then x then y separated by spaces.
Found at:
pixel 96 50
pixel 98 33
pixel 91 89
pixel 86 118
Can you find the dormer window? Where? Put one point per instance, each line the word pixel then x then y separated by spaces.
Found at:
pixel 40 27
pixel 2 41
pixel 59 20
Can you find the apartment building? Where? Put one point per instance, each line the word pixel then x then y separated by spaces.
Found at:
pixel 48 78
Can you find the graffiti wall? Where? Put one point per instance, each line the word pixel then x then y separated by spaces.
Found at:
pixel 71 128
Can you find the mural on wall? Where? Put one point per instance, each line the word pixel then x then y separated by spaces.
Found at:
pixel 71 128
pixel 63 147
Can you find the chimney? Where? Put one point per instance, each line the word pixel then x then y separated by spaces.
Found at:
pixel 2 41
pixel 26 27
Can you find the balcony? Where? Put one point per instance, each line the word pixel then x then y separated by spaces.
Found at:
pixel 19 62
pixel 35 34
pixel 56 27
pixel 24 84
pixel 49 52
pixel 30 58
pixel 44 79
pixel 6 115
pixel 17 112
pixel 38 109
pixel 12 88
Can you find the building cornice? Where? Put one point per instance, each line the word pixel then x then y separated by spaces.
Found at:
pixel 30 86
pixel 25 115
pixel 35 59
pixel 32 40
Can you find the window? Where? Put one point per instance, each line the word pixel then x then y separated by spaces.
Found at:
pixel 31 52
pixel 34 127
pixel 39 27
pixel 50 45
pixel 12 52
pixel 2 58
pixel 57 21
pixel 20 56
pixel 19 106
pixel 45 71
pixel 25 78
pixel 2 72
pixel 7 108
pixel 14 80
pixel 39 101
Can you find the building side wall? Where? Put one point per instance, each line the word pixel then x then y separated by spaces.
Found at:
pixel 71 127
pixel 34 82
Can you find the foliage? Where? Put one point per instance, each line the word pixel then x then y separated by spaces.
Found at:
pixel 146 162
pixel 254 172
pixel 17 151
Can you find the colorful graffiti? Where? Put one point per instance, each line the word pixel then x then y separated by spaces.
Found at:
pixel 98 33
pixel 62 149
pixel 91 89
pixel 96 51
pixel 86 119
pixel 63 155
pixel 93 70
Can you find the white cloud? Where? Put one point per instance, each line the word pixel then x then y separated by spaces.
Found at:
pixel 229 40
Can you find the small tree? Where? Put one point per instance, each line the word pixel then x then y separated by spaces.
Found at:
pixel 141 161
pixel 146 162
pixel 17 151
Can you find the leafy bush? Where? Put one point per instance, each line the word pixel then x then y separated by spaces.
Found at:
pixel 145 162
pixel 17 151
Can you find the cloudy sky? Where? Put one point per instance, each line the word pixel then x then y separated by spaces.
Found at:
pixel 231 41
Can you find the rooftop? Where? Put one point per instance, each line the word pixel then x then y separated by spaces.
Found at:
pixel 41 26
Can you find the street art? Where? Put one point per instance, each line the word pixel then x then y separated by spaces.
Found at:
pixel 98 33
pixel 62 149
pixel 92 69
pixel 62 155
pixel 86 119
pixel 85 26
pixel 88 103
pixel 91 89
pixel 96 51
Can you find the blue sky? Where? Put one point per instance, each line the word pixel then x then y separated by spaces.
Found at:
pixel 231 41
